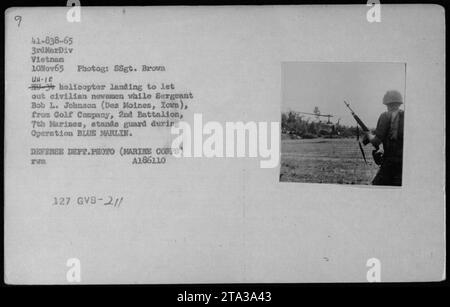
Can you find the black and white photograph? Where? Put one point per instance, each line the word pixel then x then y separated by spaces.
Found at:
pixel 242 146
pixel 343 123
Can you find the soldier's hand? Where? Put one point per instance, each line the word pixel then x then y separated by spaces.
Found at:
pixel 367 138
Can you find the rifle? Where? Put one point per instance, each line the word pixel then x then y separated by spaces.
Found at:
pixel 358 120
pixel 375 154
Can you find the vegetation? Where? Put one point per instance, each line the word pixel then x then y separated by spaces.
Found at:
pixel 326 161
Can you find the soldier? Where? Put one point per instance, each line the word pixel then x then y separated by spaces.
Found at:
pixel 389 132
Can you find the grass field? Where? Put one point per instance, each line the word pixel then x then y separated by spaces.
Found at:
pixel 325 161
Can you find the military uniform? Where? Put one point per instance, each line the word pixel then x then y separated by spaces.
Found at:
pixel 389 132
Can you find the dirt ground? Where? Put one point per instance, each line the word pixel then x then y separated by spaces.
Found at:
pixel 326 161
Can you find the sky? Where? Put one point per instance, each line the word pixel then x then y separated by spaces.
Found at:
pixel 326 85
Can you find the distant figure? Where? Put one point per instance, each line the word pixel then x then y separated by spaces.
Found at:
pixel 389 132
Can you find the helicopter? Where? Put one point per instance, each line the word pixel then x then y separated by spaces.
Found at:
pixel 318 115
pixel 327 128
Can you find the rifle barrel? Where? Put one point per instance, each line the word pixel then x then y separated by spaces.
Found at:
pixel 356 117
pixel 348 106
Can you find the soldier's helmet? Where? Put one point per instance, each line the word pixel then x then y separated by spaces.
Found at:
pixel 392 97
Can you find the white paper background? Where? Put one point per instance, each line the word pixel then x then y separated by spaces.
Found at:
pixel 226 220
